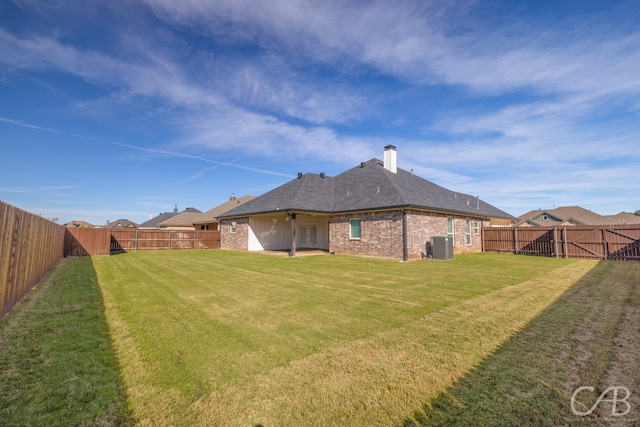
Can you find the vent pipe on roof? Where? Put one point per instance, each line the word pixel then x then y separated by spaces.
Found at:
pixel 391 158
pixel 477 202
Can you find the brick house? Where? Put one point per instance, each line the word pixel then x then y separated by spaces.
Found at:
pixel 374 209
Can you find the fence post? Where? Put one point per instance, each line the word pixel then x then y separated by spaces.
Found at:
pixel 197 247
pixel 136 244
pixel 605 247
pixel 555 240
pixel 169 240
pixel 564 242
pixel 515 238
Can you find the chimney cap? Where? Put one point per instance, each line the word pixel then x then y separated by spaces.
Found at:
pixel 389 147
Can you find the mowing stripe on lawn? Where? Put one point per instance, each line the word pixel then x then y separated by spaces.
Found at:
pixel 231 338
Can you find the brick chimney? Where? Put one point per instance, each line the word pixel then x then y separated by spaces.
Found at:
pixel 390 158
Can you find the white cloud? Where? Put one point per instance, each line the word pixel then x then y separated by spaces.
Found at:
pixel 158 79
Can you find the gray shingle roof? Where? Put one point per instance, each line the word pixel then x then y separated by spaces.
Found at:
pixel 155 221
pixel 368 186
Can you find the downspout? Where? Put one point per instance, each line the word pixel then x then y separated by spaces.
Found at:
pixel 405 249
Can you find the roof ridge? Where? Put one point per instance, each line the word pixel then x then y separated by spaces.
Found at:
pixel 392 177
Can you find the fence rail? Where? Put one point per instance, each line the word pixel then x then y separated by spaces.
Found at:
pixel 612 243
pixel 29 246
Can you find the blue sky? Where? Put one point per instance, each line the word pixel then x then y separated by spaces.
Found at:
pixel 114 109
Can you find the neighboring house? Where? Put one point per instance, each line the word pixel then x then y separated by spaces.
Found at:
pixel 78 224
pixel 182 221
pixel 155 221
pixel 623 218
pixel 375 209
pixel 121 223
pixel 572 216
pixel 209 220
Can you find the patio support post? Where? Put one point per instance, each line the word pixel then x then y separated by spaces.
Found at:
pixel 293 234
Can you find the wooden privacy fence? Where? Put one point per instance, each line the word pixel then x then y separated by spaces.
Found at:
pixel 103 241
pixel 612 243
pixel 87 242
pixel 164 239
pixel 29 246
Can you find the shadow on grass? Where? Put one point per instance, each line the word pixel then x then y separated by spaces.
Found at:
pixel 531 378
pixel 57 365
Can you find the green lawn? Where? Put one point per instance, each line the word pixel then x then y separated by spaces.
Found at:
pixel 57 366
pixel 230 338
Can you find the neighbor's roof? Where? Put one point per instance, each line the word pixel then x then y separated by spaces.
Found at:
pixel 366 187
pixel 155 221
pixel 212 214
pixel 122 223
pixel 574 215
pixel 183 219
pixel 78 224
pixel 623 218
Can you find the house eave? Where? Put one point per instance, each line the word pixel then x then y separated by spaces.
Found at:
pixel 276 212
pixel 479 215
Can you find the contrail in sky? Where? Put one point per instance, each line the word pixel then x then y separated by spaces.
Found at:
pixel 134 147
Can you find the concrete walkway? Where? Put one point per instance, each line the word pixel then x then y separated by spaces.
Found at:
pixel 299 252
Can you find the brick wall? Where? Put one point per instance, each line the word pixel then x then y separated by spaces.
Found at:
pixel 421 227
pixel 459 239
pixel 381 234
pixel 238 240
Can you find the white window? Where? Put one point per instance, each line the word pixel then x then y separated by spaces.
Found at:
pixel 234 227
pixel 476 227
pixel 467 231
pixel 450 228
pixel 355 228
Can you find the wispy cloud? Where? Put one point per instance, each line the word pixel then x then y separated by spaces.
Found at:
pixel 516 104
pixel 44 189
